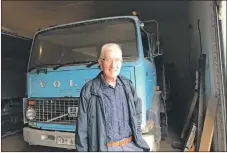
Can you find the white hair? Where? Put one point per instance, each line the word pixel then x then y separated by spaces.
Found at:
pixel 112 46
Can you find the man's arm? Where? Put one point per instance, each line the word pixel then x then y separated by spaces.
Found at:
pixel 81 137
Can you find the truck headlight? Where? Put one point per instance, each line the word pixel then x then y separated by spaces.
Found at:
pixel 30 113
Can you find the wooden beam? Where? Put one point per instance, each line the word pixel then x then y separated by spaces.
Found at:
pixel 193 103
pixel 208 127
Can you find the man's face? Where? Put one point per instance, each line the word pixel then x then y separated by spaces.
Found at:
pixel 111 64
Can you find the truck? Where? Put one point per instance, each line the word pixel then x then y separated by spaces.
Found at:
pixel 64 57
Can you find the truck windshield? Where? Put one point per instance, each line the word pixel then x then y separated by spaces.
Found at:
pixel 83 42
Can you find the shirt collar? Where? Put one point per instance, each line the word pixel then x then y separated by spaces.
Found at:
pixel 105 84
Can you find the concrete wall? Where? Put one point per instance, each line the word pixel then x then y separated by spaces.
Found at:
pixel 204 10
pixel 13 84
pixel 175 37
pixel 182 46
pixel 176 40
pixel 15 52
pixel 200 10
pixel 223 22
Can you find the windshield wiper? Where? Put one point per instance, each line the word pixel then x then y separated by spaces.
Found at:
pixel 92 63
pixel 71 63
pixel 39 66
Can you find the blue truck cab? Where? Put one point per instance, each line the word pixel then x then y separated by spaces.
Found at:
pixel 64 57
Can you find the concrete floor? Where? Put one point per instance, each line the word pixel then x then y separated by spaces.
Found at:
pixel 16 143
pixel 166 145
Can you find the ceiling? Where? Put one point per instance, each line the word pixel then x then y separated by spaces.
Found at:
pixel 24 17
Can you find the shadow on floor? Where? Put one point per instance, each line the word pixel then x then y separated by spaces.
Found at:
pixel 174 132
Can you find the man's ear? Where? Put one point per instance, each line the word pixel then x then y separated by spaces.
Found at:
pixel 100 63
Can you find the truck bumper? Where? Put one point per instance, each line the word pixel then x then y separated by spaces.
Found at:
pixel 47 138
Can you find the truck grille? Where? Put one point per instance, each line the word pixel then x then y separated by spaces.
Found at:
pixel 57 110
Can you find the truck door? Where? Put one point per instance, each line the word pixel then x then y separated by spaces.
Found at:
pixel 150 72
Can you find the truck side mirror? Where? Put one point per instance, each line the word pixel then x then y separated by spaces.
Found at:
pixel 156 49
pixel 154 39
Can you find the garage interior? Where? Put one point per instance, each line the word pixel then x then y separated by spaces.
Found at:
pixel 178 27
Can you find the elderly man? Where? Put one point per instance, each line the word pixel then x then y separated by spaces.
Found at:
pixel 109 116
